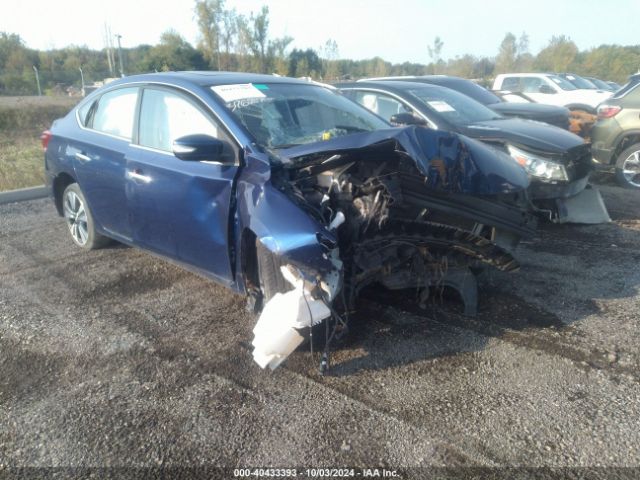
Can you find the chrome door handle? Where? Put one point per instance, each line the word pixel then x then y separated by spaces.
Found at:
pixel 136 175
pixel 82 157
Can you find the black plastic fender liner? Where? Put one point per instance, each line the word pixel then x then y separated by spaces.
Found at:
pixel 509 216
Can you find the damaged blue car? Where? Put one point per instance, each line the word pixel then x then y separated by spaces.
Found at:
pixel 282 190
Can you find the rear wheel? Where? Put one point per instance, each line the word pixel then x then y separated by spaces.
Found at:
pixel 628 167
pixel 79 219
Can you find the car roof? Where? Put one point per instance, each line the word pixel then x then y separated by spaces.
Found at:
pixel 207 78
pixel 397 86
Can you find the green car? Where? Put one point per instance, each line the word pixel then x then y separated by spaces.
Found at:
pixel 616 135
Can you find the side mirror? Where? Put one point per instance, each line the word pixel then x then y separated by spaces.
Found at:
pixel 407 118
pixel 199 147
pixel 546 89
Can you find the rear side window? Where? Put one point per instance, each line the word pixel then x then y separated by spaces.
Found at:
pixel 633 93
pixel 115 112
pixel 83 112
pixel 632 84
pixel 165 116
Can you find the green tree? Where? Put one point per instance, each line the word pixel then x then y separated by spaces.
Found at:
pixel 558 56
pixel 209 16
pixel 435 53
pixel 304 63
pixel 173 53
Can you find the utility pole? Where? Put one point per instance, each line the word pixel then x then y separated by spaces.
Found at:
pixel 108 43
pixel 81 80
pixel 37 80
pixel 120 55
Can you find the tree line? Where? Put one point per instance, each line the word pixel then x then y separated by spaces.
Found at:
pixel 236 42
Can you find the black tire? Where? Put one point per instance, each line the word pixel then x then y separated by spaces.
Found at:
pixel 622 179
pixel 79 219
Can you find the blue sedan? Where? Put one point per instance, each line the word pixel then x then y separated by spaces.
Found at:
pixel 269 184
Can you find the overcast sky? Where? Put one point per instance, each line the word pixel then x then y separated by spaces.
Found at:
pixel 397 31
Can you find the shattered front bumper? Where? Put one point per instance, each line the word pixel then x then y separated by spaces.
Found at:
pixel 539 190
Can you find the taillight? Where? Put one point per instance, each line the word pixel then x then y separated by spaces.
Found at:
pixel 44 138
pixel 608 111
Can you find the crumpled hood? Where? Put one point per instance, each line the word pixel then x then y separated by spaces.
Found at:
pixel 531 135
pixel 449 161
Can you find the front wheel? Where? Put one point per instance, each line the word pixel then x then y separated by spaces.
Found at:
pixel 79 219
pixel 628 167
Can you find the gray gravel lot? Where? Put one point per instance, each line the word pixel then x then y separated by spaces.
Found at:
pixel 116 358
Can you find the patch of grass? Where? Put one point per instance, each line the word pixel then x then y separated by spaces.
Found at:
pixel 22 120
pixel 21 162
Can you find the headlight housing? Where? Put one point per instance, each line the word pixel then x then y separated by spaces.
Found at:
pixel 537 166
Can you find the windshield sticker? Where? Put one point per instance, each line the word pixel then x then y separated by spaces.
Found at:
pixel 441 106
pixel 231 93
pixel 261 86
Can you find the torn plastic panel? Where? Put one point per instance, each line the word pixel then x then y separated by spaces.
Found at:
pixel 277 332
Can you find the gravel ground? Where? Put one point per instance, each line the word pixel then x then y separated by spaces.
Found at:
pixel 116 358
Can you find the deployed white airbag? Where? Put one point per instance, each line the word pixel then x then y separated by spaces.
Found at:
pixel 275 334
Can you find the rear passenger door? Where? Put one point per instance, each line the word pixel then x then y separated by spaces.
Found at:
pixel 98 155
pixel 179 208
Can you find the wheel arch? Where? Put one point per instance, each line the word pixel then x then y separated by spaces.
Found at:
pixel 625 140
pixel 250 278
pixel 60 182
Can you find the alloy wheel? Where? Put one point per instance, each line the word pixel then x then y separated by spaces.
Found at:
pixel 76 216
pixel 631 169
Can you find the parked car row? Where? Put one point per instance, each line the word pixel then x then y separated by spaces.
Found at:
pixel 557 161
pixel 299 198
pixel 565 90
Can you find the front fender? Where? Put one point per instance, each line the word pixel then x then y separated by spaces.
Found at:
pixel 278 223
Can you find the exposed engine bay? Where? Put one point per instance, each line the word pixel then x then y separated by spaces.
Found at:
pixel 392 227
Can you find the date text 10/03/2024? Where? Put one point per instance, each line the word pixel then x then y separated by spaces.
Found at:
pixel 316 473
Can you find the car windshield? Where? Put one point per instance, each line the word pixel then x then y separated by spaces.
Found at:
pixel 599 83
pixel 453 106
pixel 286 115
pixel 581 82
pixel 562 83
pixel 473 90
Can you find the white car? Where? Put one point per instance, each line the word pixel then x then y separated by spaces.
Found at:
pixel 550 89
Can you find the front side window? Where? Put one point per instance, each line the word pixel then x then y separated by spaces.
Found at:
pixel 531 85
pixel 382 105
pixel 166 116
pixel 115 112
pixel 282 115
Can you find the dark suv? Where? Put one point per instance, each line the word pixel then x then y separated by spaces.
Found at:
pixel 616 136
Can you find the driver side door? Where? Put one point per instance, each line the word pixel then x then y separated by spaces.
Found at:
pixel 180 209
